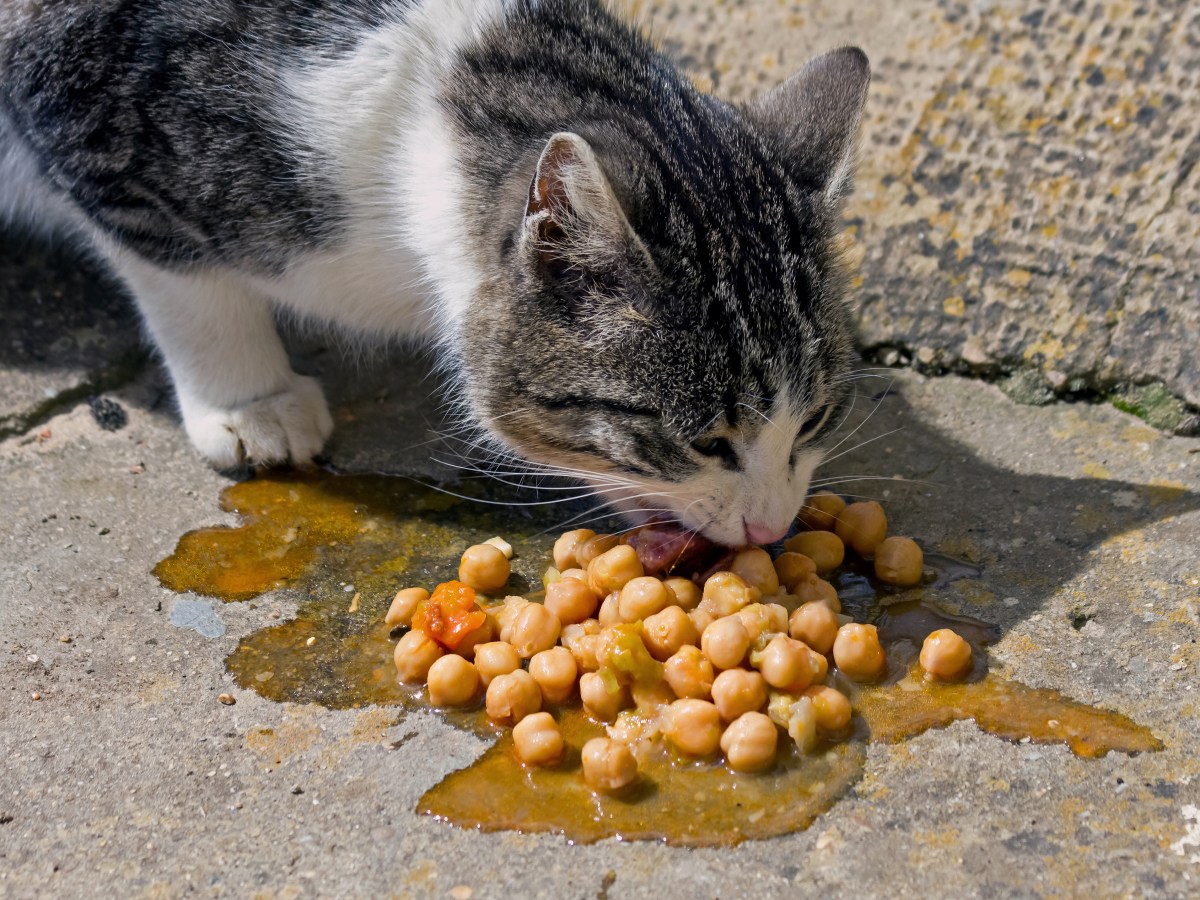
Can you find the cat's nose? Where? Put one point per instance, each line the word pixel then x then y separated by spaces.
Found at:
pixel 763 534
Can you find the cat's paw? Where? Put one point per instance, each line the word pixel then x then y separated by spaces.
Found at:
pixel 289 426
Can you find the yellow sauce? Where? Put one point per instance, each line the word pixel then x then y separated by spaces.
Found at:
pixel 330 538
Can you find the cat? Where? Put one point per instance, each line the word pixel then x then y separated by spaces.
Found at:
pixel 629 280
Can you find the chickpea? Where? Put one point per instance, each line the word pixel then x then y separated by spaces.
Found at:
pixel 784 664
pixel 792 568
pixel 622 650
pixel 737 691
pixel 404 604
pixel 689 674
pixel 599 700
pixel 857 652
pixel 818 590
pixel 483 567
pixel 820 511
pixel 452 681
pixel 535 629
pixel 701 619
pixel 512 697
pixel 725 642
pixel 667 631
pixel 610 610
pixel 568 545
pixel 750 742
pixel 862 527
pixel 945 656
pixel 555 671
pixel 694 727
pixel 472 639
pixel 724 594
pixel 583 642
pixel 816 624
pixel 495 658
pixel 571 600
pixel 753 565
pixel 796 716
pixel 820 664
pixel 537 740
pixel 649 697
pixel 899 561
pixel 642 597
pixel 687 595
pixel 576 573
pixel 763 618
pixel 824 548
pixel 831 707
pixel 588 550
pixel 506 615
pixel 415 653
pixel 613 569
pixel 608 766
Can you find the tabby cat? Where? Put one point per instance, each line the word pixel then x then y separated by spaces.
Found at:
pixel 630 280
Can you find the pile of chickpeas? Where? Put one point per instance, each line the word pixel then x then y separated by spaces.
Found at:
pixel 723 667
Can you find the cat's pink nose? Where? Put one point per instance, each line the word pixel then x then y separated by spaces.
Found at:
pixel 763 534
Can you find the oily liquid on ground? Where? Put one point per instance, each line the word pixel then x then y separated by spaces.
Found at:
pixel 347 543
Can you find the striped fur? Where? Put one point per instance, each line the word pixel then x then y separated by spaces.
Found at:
pixel 633 280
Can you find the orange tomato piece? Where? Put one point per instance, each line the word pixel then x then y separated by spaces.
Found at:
pixel 450 614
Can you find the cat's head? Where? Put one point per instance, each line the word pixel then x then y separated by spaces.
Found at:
pixel 669 324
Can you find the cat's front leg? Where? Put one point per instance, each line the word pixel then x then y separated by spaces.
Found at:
pixel 239 398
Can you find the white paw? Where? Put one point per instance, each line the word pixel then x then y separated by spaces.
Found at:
pixel 289 426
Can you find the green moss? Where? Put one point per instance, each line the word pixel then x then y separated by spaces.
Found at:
pixel 1153 404
pixel 1028 387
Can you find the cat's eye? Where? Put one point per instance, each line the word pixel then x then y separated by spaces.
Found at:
pixel 715 446
pixel 813 423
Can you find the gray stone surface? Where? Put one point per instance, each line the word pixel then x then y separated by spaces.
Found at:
pixel 127 777
pixel 1027 193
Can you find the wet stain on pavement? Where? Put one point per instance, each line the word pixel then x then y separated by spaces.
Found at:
pixel 347 543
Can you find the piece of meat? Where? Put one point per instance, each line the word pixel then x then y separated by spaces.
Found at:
pixel 666 549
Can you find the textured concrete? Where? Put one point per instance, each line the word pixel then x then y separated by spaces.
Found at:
pixel 127 777
pixel 1027 192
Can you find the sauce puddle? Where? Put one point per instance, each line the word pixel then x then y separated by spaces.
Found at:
pixel 347 543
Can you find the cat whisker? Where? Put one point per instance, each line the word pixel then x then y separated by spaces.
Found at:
pixel 579 519
pixel 856 428
pixel 832 481
pixel 862 444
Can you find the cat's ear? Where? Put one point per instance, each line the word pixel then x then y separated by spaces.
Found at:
pixel 573 220
pixel 813 117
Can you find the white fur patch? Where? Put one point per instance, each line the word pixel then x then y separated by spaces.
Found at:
pixel 405 269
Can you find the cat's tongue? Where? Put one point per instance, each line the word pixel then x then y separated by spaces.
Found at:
pixel 667 549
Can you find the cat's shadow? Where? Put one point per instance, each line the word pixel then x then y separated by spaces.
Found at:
pixel 1031 534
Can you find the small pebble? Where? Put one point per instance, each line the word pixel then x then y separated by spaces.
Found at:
pixel 227 699
pixel 310 642
pixel 35 696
